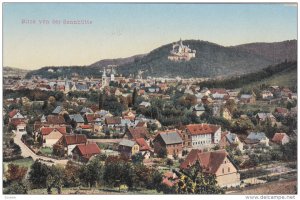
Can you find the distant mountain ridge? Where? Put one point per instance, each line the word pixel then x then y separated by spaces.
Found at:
pixel 12 71
pixel 275 51
pixel 116 61
pixel 212 60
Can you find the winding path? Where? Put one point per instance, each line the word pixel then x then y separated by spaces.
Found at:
pixel 26 152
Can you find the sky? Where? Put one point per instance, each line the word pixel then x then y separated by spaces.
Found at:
pixel 122 30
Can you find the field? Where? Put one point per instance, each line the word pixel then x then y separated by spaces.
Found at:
pixel 46 150
pixel 261 107
pixel 286 79
pixel 278 187
pixel 25 162
pixel 102 191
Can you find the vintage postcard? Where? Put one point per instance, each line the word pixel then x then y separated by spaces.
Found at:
pixel 150 98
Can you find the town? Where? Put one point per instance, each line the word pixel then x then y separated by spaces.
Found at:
pixel 146 135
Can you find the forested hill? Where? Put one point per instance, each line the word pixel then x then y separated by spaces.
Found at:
pixel 283 74
pixel 275 51
pixel 211 60
pixel 117 61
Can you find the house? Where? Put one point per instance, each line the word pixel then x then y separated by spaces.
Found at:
pixel 257 138
pixel 55 120
pixel 144 148
pixel 281 111
pixel 137 132
pixel 128 115
pixel 263 117
pixel 59 111
pixel 86 110
pixel 266 94
pixel 226 114
pixel 83 152
pixel 281 138
pixel 230 139
pixel 112 122
pixel 15 115
pixel 144 104
pixel 78 119
pixel 127 148
pixel 51 135
pixel 198 109
pixel 86 127
pixel 217 163
pixel 170 179
pixel 248 99
pixel 202 135
pixel 21 129
pixel 69 142
pixel 169 141
pixel 221 91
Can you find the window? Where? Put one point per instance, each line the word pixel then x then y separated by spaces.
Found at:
pixel 223 170
pixel 228 169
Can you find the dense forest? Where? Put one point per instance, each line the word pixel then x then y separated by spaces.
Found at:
pixel 211 60
pixel 240 81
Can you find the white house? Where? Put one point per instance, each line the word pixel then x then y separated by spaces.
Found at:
pixel 202 135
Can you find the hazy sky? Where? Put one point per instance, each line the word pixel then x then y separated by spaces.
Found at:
pixel 121 30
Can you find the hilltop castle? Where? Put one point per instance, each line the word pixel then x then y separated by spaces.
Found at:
pixel 181 52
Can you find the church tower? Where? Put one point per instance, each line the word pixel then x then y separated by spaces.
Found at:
pixel 104 81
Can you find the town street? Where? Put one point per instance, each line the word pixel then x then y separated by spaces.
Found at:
pixel 26 152
pixel 104 140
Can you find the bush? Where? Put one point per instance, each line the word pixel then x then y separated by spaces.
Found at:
pixel 16 188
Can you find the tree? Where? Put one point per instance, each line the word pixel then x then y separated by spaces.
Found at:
pixel 169 162
pixel 91 174
pixel 289 150
pixel 137 158
pixel 118 172
pixel 194 181
pixel 52 100
pixel 162 153
pixel 101 100
pixel 15 173
pixel 16 187
pixel 134 95
pixel 55 179
pixel 38 174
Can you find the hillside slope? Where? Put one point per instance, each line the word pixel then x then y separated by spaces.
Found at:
pixel 283 74
pixel 117 61
pixel 211 60
pixel 275 51
pixel 11 71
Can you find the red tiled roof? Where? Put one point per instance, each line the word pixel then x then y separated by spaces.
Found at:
pixel 281 110
pixel 113 120
pixel 209 161
pixel 140 124
pixel 48 130
pixel 13 113
pixel 218 90
pixel 86 126
pixel 17 121
pixel 88 150
pixel 223 142
pixel 90 117
pixel 138 132
pixel 278 137
pixel 75 139
pixel 55 119
pixel 199 129
pixel 143 144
